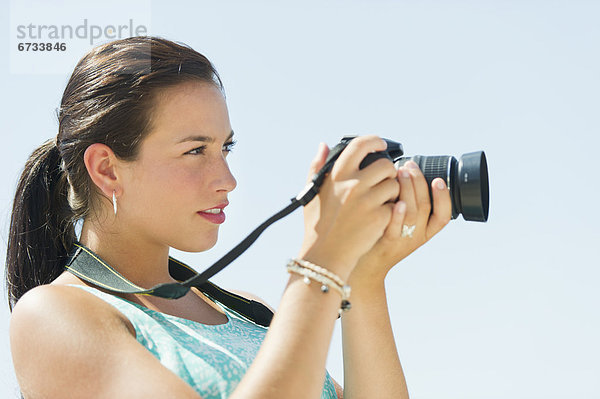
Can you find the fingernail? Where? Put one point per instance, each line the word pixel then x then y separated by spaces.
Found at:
pixel 440 184
pixel 401 206
pixel 319 150
pixel 405 173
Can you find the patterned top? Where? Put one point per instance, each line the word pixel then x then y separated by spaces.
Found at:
pixel 212 359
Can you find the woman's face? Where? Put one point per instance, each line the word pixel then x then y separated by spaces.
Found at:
pixel 175 192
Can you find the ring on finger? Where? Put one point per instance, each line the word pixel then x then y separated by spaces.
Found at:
pixel 407 231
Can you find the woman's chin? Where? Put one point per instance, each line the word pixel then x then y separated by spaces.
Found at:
pixel 197 245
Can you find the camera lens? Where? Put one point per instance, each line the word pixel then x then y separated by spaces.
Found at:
pixel 467 180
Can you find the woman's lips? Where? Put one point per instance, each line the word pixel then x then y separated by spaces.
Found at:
pixel 214 215
pixel 216 218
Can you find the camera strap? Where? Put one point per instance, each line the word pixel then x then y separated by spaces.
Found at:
pixel 88 266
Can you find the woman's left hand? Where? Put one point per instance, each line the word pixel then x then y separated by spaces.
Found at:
pixel 412 225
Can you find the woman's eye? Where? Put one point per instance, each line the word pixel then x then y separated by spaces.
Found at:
pixel 197 151
pixel 228 147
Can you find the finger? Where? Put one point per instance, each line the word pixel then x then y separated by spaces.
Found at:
pixel 385 191
pixel 351 157
pixel 377 172
pixel 394 229
pixel 318 161
pixel 407 195
pixel 442 207
pixel 421 188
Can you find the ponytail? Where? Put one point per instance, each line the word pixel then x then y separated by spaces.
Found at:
pixel 41 226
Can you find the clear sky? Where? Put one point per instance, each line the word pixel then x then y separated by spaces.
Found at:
pixel 508 308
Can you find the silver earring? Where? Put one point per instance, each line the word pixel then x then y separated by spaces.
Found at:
pixel 114 202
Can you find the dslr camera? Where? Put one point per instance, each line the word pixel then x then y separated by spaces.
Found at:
pixel 466 178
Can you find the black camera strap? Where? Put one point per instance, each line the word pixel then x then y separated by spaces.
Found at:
pixel 90 267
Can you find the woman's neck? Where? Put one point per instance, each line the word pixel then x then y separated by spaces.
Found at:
pixel 144 263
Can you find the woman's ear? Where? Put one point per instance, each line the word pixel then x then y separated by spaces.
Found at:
pixel 101 162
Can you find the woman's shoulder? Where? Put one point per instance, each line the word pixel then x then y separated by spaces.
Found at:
pixel 67 342
pixel 55 330
pixel 61 312
pixel 61 301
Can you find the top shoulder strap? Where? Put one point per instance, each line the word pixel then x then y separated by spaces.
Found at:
pixel 87 265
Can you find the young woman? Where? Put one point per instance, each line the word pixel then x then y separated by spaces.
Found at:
pixel 140 157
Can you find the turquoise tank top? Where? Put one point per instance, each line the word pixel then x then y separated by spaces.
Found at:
pixel 212 359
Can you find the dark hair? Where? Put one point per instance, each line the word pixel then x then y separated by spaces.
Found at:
pixel 108 100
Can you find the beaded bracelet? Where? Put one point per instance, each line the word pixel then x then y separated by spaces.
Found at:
pixel 326 282
pixel 321 270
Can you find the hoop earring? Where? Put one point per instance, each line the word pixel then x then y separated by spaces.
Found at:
pixel 114 199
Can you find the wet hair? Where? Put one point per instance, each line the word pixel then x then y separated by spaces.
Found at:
pixel 108 99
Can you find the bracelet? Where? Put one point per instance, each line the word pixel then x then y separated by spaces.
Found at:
pixel 321 270
pixel 311 275
pixel 326 282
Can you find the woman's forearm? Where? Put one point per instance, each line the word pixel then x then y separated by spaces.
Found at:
pixel 371 365
pixel 291 361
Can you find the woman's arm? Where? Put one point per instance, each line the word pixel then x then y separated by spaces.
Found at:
pixel 291 361
pixel 371 364
pixel 338 388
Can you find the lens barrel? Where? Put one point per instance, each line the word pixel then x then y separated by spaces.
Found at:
pixel 467 180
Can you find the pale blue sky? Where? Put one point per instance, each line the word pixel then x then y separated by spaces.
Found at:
pixel 496 310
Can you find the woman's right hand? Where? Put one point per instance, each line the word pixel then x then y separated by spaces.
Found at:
pixel 352 209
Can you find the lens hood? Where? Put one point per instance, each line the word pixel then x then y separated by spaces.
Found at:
pixel 473 186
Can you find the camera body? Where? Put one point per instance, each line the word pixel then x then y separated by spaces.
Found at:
pixel 466 177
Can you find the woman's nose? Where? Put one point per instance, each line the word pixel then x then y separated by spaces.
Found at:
pixel 224 180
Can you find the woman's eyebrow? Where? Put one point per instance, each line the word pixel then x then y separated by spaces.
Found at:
pixel 204 139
